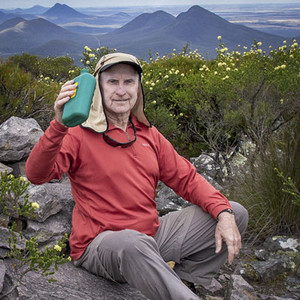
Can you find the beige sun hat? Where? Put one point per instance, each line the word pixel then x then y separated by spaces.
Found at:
pixel 97 120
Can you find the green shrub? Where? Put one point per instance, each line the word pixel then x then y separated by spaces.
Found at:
pixel 55 68
pixel 272 204
pixel 32 258
pixel 24 96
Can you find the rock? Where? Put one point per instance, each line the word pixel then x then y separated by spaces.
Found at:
pixel 62 192
pixel 2 274
pixel 205 164
pixel 48 232
pixel 17 138
pixel 262 254
pixel 167 200
pixel 74 284
pixel 4 220
pixel 4 236
pixel 4 252
pixel 4 168
pixel 57 224
pixel 207 167
pixel 18 169
pixel 238 282
pixel 7 284
pixel 49 205
pixel 240 289
pixel 236 163
pixel 282 243
pixel 264 270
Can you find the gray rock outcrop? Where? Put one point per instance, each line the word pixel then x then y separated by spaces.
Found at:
pixel 17 138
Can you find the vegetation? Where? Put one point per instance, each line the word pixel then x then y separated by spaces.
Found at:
pixel 16 207
pixel 219 106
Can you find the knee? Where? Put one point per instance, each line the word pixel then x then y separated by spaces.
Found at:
pixel 241 215
pixel 133 244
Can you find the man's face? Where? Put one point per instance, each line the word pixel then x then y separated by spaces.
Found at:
pixel 120 84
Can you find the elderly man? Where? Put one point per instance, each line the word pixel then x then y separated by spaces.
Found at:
pixel 114 161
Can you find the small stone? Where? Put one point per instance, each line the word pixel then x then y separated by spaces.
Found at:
pixel 2 274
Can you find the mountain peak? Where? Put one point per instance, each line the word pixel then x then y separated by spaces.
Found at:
pixel 62 10
pixel 147 22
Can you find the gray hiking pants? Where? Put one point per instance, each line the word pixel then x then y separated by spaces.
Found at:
pixel 186 237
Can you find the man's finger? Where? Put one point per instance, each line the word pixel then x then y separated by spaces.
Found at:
pixel 218 242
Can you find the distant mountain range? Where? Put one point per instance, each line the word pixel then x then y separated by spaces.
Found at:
pixel 52 33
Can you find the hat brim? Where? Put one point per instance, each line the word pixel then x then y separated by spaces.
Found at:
pixel 136 66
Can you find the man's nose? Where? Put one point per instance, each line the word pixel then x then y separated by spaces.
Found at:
pixel 120 89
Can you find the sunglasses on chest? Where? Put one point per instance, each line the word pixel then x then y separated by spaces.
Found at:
pixel 112 142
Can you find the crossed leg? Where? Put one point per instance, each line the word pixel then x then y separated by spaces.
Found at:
pixel 186 237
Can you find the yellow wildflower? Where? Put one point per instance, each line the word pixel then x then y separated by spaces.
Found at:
pixel 219 37
pixel 57 248
pixel 35 205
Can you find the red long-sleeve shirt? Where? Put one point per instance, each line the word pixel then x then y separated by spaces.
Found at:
pixel 114 188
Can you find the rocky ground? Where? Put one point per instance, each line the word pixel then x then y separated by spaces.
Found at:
pixel 270 271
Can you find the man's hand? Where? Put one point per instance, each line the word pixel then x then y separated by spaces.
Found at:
pixel 228 232
pixel 67 90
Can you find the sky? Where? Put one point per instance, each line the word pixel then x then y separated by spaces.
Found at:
pixel 7 4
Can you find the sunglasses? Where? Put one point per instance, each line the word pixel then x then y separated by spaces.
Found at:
pixel 110 141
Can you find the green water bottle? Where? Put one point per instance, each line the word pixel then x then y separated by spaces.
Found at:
pixel 77 109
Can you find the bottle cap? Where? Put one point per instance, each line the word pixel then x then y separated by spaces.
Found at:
pixel 84 71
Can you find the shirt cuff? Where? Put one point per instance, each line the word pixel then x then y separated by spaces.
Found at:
pixel 54 123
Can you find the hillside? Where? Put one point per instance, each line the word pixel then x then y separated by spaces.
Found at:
pixel 159 32
pixel 27 34
pixel 11 23
pixel 198 27
pixel 145 23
